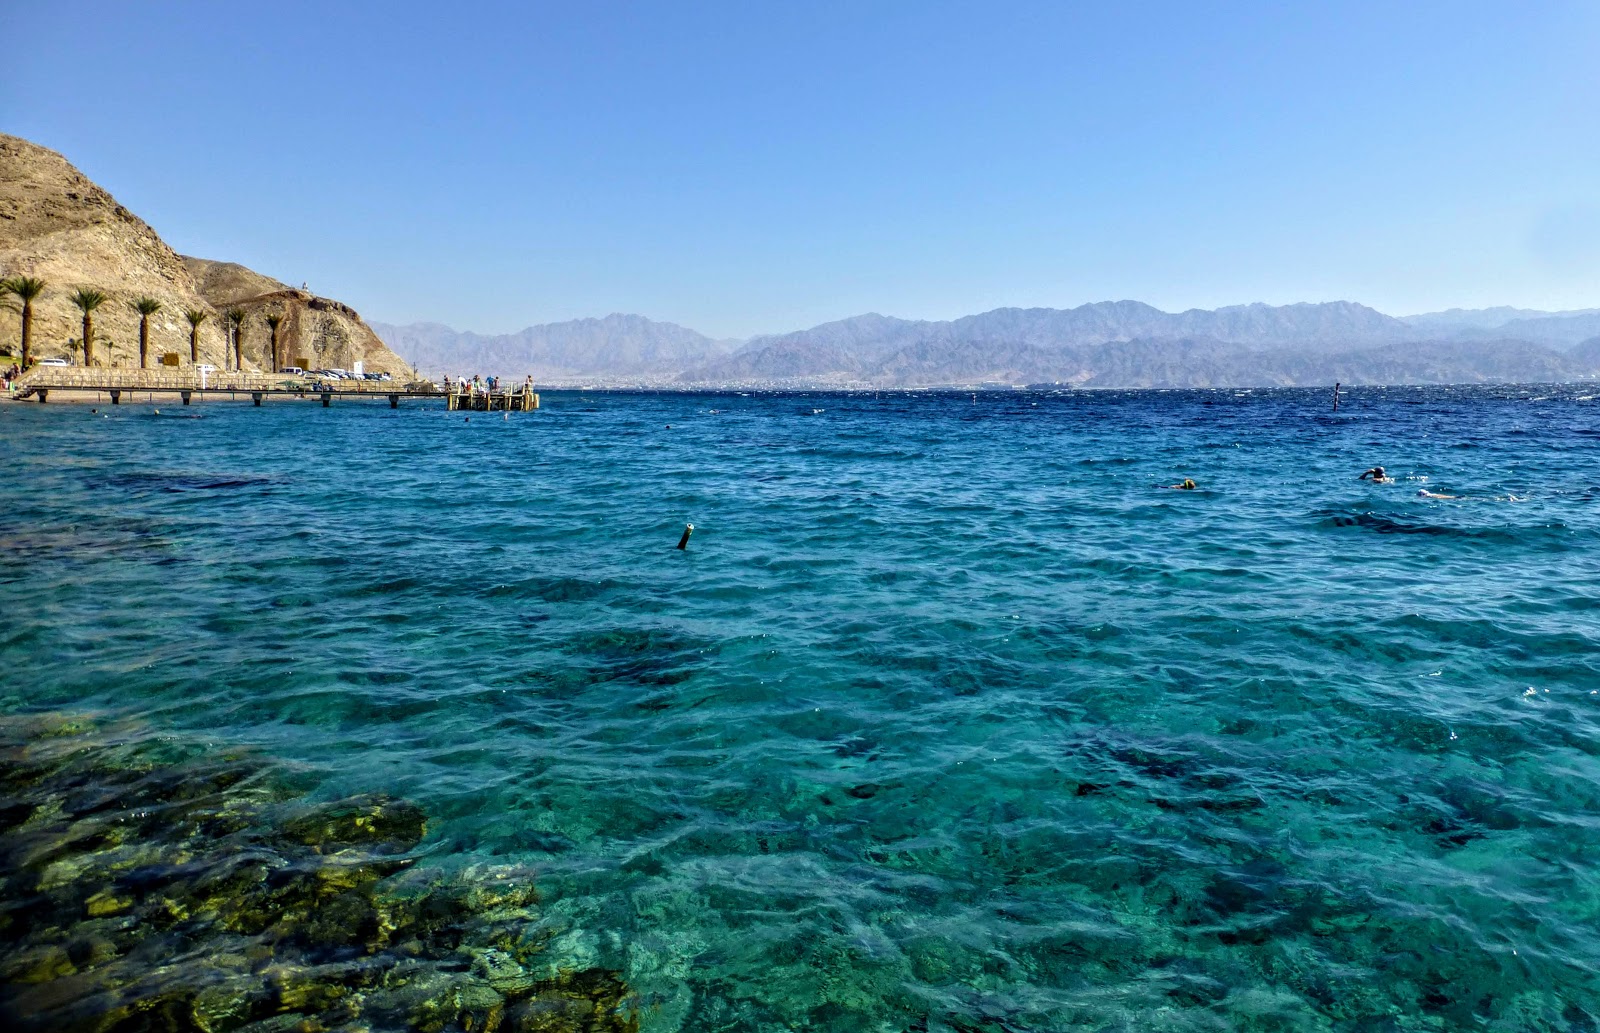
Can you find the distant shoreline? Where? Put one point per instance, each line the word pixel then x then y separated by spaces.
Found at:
pixel 169 396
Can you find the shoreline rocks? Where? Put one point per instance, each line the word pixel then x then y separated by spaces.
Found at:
pixel 145 891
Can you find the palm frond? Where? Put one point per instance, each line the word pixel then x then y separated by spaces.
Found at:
pixel 88 299
pixel 26 287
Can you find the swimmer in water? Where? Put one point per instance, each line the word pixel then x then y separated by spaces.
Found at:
pixel 1185 485
pixel 1426 494
pixel 1377 476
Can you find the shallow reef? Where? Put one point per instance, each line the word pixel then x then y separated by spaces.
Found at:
pixel 153 885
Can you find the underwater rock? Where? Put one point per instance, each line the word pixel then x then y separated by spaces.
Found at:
pixel 388 825
pixel 144 890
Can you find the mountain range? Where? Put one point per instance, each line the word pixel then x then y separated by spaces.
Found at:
pixel 1103 344
pixel 58 226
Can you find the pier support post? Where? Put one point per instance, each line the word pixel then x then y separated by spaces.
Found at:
pixel 255 396
pixel 327 399
pixel 42 394
pixel 535 402
pixel 394 401
pixel 185 396
pixel 116 397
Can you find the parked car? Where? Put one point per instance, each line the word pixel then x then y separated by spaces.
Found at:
pixel 292 371
pixel 54 362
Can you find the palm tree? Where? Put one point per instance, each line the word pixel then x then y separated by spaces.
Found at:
pixel 88 299
pixel 195 316
pixel 146 307
pixel 235 318
pixel 27 288
pixel 5 290
pixel 274 320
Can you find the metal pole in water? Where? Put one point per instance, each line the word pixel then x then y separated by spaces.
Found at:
pixel 683 543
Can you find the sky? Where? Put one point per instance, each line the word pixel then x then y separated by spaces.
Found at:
pixel 754 167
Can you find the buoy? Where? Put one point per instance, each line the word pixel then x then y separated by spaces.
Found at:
pixel 683 543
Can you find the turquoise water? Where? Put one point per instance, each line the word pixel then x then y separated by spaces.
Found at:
pixel 947 719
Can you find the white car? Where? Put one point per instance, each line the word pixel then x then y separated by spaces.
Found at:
pixel 54 362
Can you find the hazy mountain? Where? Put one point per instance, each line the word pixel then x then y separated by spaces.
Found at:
pixel 1184 362
pixel 1106 344
pixel 880 349
pixel 1448 322
pixel 1445 323
pixel 1562 330
pixel 618 345
pixel 1586 353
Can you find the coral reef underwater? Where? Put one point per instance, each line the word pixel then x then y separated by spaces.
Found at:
pixel 152 885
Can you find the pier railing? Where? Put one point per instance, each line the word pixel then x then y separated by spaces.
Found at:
pixel 67 378
pixel 468 396
pixel 116 384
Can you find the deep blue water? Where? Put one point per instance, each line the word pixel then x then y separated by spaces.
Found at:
pixel 947 719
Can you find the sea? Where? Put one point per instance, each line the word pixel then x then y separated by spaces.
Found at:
pixel 950 717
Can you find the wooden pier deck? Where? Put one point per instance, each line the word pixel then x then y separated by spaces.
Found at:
pixel 40 392
pixel 511 400
pixel 118 386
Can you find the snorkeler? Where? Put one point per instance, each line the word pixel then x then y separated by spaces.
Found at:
pixel 1187 485
pixel 1377 475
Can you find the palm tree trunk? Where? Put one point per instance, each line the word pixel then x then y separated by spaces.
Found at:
pixel 194 345
pixel 27 333
pixel 276 365
pixel 238 348
pixel 144 341
pixel 88 339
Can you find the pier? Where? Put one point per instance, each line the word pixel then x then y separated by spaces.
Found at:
pixel 516 399
pixel 116 386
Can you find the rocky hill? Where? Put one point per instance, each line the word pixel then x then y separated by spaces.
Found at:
pixel 58 226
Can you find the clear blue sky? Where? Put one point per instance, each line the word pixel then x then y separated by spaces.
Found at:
pixel 747 167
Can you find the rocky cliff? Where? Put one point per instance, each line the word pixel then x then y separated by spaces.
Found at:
pixel 316 333
pixel 58 226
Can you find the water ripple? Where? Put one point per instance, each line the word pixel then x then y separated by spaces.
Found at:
pixel 949 719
